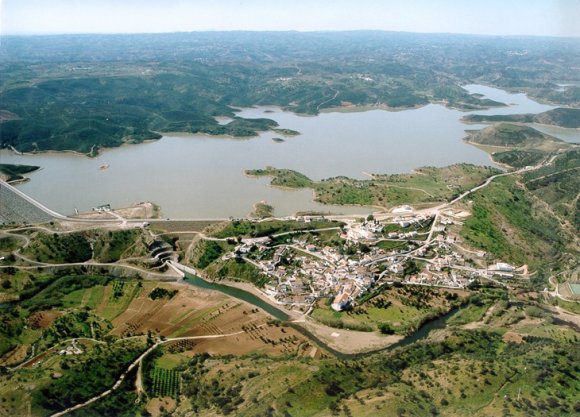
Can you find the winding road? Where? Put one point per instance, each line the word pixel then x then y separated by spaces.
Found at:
pixel 135 363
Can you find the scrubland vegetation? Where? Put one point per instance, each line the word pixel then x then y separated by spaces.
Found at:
pixel 424 185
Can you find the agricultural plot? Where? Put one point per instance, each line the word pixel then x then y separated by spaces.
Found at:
pixel 256 337
pixel 188 313
pixel 96 296
pixel 74 298
pixel 470 314
pixel 108 301
pixel 118 298
pixel 165 382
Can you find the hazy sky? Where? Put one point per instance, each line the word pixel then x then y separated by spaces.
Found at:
pixel 490 17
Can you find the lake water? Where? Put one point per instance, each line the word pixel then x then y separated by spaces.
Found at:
pixel 200 176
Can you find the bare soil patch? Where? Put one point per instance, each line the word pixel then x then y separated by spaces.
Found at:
pixel 191 312
pixel 15 356
pixel 512 337
pixel 156 406
pixel 43 319
pixel 144 210
pixel 350 341
pixel 183 225
pixel 567 316
pixel 145 314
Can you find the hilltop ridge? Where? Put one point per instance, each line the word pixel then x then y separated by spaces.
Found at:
pixel 509 135
pixel 561 117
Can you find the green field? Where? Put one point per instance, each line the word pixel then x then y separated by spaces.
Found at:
pixel 469 314
pixel 400 309
pixel 390 245
pixel 518 360
pixel 165 382
pixel 94 298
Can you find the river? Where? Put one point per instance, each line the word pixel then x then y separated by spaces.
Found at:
pixel 192 176
pixel 423 332
pixel 237 293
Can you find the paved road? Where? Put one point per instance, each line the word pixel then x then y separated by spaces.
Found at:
pixel 36 265
pixel 436 210
pixel 49 214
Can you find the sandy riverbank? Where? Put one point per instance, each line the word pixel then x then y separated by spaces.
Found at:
pixel 342 340
pixel 350 341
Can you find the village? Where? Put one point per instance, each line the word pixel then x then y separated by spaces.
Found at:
pixel 344 263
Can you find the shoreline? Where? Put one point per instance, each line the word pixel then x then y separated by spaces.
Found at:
pixel 369 107
pixel 78 153
pixel 291 189
pixel 505 167
pixel 349 109
pixel 530 124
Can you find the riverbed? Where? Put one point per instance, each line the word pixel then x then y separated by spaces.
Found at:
pixel 200 176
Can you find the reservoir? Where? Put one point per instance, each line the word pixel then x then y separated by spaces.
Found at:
pixel 200 176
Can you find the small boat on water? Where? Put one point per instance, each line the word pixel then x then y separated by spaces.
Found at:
pixel 104 167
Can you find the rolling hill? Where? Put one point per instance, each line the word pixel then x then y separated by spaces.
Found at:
pixel 561 117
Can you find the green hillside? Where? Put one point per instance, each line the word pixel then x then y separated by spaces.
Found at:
pixel 119 89
pixel 509 135
pixel 562 117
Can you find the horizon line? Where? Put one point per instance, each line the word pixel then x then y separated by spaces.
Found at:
pixel 35 34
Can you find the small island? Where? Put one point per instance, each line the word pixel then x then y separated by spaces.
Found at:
pixel 286 132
